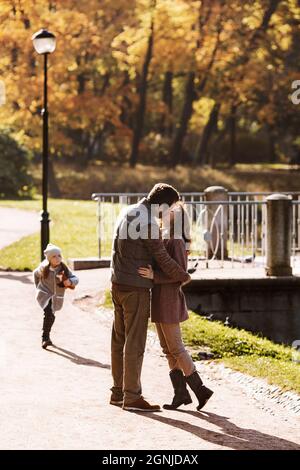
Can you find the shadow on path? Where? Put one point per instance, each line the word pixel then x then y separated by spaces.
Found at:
pixel 77 359
pixel 25 278
pixel 232 436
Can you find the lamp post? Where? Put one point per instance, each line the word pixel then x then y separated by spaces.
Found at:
pixel 44 43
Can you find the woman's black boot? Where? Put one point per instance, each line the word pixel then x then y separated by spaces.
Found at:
pixel 202 393
pixel 181 394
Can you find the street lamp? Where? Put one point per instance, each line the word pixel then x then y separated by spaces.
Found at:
pixel 44 43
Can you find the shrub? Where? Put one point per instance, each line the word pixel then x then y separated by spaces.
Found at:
pixel 15 179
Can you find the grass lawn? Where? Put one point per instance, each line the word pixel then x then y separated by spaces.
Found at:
pixel 241 350
pixel 72 227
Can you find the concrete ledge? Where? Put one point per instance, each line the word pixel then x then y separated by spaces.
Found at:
pixel 285 282
pixel 88 263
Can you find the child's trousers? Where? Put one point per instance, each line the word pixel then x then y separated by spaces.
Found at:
pixel 49 319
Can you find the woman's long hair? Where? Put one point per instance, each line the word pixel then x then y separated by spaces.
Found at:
pixel 185 230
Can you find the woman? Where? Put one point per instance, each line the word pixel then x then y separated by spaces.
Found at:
pixel 168 310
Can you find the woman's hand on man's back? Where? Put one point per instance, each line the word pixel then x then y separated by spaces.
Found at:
pixel 146 272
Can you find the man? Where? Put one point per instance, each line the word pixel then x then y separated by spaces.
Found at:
pixel 137 243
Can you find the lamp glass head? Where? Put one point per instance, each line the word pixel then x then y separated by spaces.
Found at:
pixel 44 42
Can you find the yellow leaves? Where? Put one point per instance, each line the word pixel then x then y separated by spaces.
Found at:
pixel 72 67
pixel 294 8
pixel 282 32
pixel 173 31
pixel 101 66
pixel 202 109
pixel 129 47
pixel 285 43
pixel 253 15
pixel 33 106
pixel 95 40
pixel 261 53
pixel 252 22
pixel 284 29
pixel 119 56
pixel 177 12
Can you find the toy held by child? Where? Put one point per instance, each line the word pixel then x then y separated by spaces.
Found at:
pixel 52 277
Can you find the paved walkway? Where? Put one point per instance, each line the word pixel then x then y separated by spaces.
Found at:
pixel 15 224
pixel 58 398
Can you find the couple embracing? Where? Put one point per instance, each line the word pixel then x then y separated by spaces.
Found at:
pixel 149 266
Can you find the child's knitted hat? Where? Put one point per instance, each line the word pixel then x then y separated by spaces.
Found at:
pixel 51 250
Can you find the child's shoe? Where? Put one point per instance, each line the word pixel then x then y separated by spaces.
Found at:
pixel 46 342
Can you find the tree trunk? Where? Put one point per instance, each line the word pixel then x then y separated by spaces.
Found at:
pixel 126 105
pixel 140 113
pixel 166 122
pixel 81 83
pixel 190 96
pixel 232 135
pixel 211 126
pixel 271 145
pixel 54 190
pixel 186 113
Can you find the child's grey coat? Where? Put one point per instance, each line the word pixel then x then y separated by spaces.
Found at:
pixel 48 289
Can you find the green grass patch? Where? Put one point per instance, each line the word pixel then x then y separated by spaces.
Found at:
pixel 228 342
pixel 72 228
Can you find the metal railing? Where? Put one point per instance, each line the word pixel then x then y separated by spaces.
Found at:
pixel 224 233
pixel 231 231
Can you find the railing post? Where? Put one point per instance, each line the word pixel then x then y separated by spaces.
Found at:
pixel 99 207
pixel 278 249
pixel 220 226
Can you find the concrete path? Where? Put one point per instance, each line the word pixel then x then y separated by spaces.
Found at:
pixel 15 224
pixel 58 398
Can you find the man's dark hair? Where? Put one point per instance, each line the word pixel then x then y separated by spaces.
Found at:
pixel 163 193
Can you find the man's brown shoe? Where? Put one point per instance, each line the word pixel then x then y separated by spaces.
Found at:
pixel 140 405
pixel 116 400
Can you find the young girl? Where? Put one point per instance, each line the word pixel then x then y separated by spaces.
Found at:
pixel 168 310
pixel 51 278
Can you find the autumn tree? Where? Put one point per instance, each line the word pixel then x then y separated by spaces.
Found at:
pixel 154 81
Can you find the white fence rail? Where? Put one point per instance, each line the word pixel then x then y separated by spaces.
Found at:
pixel 232 231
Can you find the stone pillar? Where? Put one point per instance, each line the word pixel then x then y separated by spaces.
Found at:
pixel 216 193
pixel 278 249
